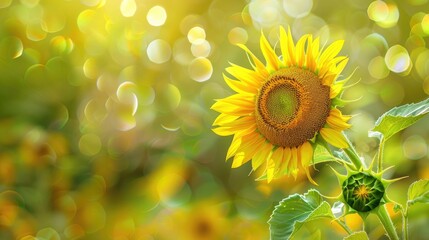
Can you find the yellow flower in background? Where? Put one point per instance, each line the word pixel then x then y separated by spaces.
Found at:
pixel 280 107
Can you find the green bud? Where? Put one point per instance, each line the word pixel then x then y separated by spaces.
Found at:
pixel 363 192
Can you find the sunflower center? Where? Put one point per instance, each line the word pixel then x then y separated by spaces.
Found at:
pixel 292 105
pixel 281 104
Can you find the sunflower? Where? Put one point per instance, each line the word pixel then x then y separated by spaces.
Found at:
pixel 280 107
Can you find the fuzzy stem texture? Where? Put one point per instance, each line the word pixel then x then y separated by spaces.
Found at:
pixel 385 219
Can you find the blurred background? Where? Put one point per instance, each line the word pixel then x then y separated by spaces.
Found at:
pixel 105 120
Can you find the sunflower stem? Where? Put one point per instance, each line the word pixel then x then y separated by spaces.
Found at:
pixel 380 155
pixel 385 219
pixel 344 226
pixel 405 223
pixel 353 155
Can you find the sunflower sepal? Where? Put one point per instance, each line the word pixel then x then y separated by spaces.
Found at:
pixel 363 191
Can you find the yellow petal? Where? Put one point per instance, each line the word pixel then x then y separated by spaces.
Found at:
pixel 334 137
pixel 247 76
pixel 250 143
pixel 328 79
pixel 235 144
pixel 305 155
pixel 258 65
pixel 293 162
pixel 277 157
pixel 269 55
pixel 239 86
pixel 335 90
pixel 337 121
pixel 233 110
pixel 261 156
pixel 223 131
pixel 290 48
pixel 341 65
pixel 331 51
pixel 307 172
pixel 284 47
pixel 311 57
pixel 287 154
pixel 299 50
pixel 239 100
pixel 223 119
pixel 270 170
pixel 238 160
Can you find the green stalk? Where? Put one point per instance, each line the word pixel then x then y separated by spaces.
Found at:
pixel 405 223
pixel 344 226
pixel 385 219
pixel 352 154
pixel 380 155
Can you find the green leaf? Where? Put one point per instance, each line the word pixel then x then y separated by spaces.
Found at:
pixel 357 236
pixel 418 192
pixel 399 118
pixel 296 210
pixel 321 154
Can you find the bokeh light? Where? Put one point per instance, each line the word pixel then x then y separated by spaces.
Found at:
pixel 296 8
pixel 159 51
pixel 156 16
pixel 397 59
pixel 200 69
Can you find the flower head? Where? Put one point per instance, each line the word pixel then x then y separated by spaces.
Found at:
pixel 280 107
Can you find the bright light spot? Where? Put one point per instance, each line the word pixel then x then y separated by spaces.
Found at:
pixel 378 11
pixel 128 8
pixel 297 8
pixel 156 16
pixel 415 147
pixel 35 32
pixel 89 144
pixel 238 35
pixel 385 15
pixel 377 68
pixel 11 47
pixel 200 69
pixel 181 53
pixel 422 64
pixel 126 122
pixel 158 51
pixel 90 68
pixel 201 50
pixel 425 24
pixel 47 233
pixel 126 95
pixel 196 35
pixel 397 59
pixel 168 98
pixel 85 19
pixel 53 22
pixel 265 12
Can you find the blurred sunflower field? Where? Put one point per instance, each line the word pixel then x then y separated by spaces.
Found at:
pixel 106 126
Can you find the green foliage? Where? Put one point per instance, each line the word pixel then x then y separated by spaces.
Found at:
pixel 321 154
pixel 418 192
pixel 296 210
pixel 357 236
pixel 399 118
